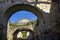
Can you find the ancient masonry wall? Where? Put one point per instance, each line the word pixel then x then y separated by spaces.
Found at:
pixel 51 20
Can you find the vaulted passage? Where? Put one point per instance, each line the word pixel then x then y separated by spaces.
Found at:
pixel 24 20
pixel 29 20
pixel 29 24
pixel 30 34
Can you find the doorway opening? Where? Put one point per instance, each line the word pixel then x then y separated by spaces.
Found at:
pixel 22 19
pixel 20 7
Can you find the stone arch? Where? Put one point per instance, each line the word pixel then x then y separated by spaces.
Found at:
pixel 19 7
pixel 23 29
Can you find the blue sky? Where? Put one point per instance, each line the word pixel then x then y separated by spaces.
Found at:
pixel 22 14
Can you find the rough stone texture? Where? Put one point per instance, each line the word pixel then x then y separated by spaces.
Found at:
pixel 48 25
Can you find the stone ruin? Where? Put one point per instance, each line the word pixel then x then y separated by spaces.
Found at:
pixel 47 11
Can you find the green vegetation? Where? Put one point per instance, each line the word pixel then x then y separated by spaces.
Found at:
pixel 12 24
pixel 34 22
pixel 24 34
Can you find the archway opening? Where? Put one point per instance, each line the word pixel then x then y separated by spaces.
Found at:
pixel 19 7
pixel 22 19
pixel 17 34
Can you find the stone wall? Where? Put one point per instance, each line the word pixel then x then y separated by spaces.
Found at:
pixel 48 24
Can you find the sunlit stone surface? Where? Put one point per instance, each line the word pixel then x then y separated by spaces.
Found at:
pixel 31 0
pixel 44 7
pixel 19 35
pixel 28 35
pixel 44 0
pixel 23 21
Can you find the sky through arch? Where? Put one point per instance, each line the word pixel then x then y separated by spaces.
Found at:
pixel 22 14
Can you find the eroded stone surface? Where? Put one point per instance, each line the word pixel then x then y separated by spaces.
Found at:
pixel 50 21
